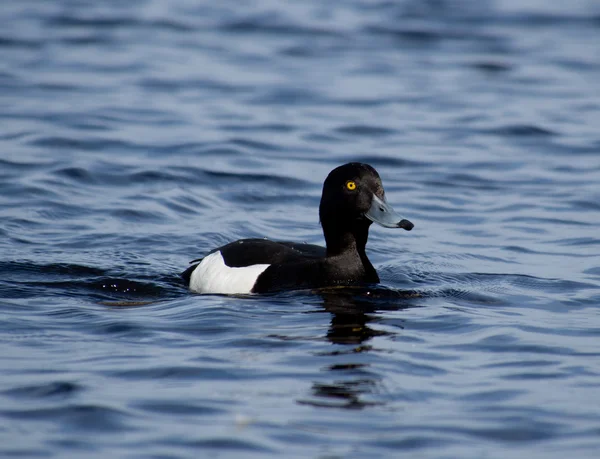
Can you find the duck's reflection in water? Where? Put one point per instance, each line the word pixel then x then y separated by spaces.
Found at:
pixel 355 384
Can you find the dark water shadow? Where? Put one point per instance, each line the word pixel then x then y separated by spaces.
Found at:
pixel 28 279
pixel 354 311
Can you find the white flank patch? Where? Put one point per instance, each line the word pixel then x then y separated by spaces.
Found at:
pixel 213 276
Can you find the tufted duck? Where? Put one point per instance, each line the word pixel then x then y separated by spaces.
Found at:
pixel 352 199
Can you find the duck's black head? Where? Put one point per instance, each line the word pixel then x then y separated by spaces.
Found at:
pixel 353 198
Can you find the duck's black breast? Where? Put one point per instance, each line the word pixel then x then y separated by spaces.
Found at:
pixel 315 272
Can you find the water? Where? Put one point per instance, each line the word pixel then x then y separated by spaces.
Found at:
pixel 136 136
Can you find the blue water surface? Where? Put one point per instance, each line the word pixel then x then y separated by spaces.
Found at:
pixel 136 136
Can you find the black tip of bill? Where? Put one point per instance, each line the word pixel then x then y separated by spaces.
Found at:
pixel 405 224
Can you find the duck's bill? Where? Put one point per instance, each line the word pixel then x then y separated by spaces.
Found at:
pixel 381 212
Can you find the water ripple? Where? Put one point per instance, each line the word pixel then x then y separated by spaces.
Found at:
pixel 140 135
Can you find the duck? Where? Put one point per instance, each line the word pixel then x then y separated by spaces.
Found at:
pixel 353 198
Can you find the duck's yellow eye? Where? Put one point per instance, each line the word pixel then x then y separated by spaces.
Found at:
pixel 351 185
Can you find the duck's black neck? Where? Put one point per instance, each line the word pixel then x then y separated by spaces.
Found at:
pixel 350 241
pixel 342 239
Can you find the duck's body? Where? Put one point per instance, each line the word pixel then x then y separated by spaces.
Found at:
pixel 261 266
pixel 352 199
